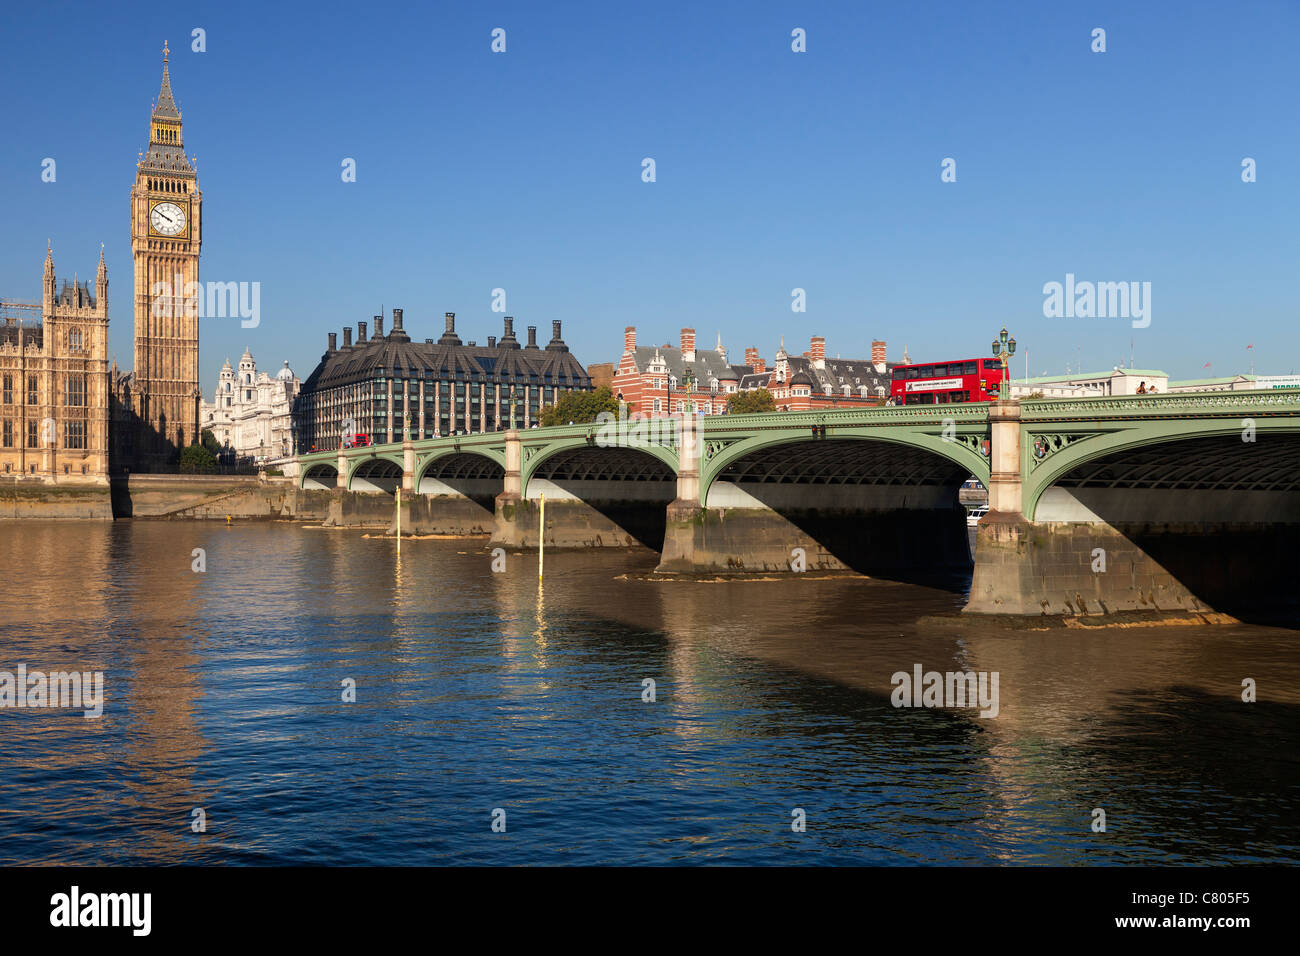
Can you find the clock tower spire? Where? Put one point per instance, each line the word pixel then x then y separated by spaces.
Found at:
pixel 166 235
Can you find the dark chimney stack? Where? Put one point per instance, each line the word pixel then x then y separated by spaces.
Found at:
pixel 347 337
pixel 508 340
pixel 397 320
pixel 379 326
pixel 449 337
pixel 532 337
pixel 556 344
pixel 361 332
pixel 492 341
pixel 334 341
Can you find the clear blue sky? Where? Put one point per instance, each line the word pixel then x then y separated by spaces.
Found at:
pixel 775 170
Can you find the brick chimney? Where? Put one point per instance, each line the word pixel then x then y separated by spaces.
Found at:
pixel 688 345
pixel 817 351
pixel 629 338
pixel 334 342
pixel 361 332
pixel 751 356
pixel 449 336
pixel 379 326
pixel 878 355
pixel 532 337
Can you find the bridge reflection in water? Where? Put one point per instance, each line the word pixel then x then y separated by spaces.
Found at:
pixel 477 689
pixel 1171 503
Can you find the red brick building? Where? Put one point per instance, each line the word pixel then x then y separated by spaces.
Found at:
pixel 661 380
pixel 811 380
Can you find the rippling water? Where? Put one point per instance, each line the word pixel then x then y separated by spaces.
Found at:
pixel 478 691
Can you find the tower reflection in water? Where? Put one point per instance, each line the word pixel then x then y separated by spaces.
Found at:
pixel 478 690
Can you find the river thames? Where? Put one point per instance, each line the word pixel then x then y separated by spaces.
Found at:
pixel 478 691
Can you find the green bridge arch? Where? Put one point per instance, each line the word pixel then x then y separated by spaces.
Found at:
pixel 577 438
pixel 961 453
pixel 1073 433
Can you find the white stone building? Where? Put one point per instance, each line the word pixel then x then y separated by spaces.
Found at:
pixel 250 411
pixel 1127 381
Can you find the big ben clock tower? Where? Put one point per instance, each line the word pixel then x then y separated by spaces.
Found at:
pixel 166 233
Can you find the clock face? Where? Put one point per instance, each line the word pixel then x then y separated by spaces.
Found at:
pixel 167 219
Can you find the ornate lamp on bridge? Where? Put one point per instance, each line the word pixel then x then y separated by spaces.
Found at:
pixel 1004 348
pixel 688 382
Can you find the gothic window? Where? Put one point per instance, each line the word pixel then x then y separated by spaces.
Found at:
pixel 74 392
pixel 74 338
pixel 8 433
pixel 74 434
pixel 31 434
pixel 8 396
pixel 32 391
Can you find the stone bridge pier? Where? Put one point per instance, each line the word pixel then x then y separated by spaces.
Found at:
pixel 1162 505
pixel 597 495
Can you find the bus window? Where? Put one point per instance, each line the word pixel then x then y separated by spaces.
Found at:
pixel 939 371
pixel 969 368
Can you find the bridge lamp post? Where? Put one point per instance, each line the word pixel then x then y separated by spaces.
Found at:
pixel 1004 348
pixel 688 382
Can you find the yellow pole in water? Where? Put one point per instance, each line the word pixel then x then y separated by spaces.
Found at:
pixel 399 519
pixel 541 537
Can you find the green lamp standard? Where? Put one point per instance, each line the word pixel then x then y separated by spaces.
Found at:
pixel 1004 348
pixel 688 382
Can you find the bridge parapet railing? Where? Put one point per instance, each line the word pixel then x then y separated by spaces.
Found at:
pixel 964 413
pixel 1169 405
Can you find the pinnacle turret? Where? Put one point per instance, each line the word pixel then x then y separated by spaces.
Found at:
pixel 166 106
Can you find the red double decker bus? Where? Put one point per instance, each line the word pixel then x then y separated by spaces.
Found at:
pixel 939 383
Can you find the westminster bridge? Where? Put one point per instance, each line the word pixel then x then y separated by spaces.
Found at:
pixel 1187 501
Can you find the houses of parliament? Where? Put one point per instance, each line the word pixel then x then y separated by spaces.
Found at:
pixel 65 414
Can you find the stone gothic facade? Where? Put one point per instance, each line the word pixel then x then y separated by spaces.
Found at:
pixel 156 406
pixel 54 384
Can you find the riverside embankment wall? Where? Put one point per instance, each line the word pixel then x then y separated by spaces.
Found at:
pixel 163 496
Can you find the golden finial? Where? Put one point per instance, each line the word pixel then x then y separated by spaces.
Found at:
pixel 165 51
